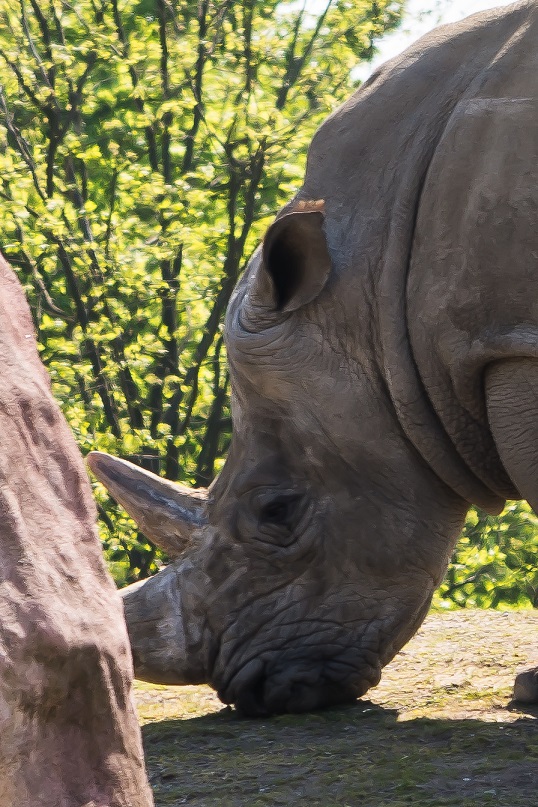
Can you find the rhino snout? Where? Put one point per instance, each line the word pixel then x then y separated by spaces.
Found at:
pixel 262 689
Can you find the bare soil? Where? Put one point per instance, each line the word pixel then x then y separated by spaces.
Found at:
pixel 439 730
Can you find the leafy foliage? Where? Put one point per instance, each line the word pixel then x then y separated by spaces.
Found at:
pixel 145 146
pixel 494 565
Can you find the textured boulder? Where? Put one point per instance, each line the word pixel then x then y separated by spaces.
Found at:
pixel 69 736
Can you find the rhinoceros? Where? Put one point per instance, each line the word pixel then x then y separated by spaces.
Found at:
pixel 383 351
pixel 68 731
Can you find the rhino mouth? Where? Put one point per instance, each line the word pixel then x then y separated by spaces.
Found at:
pixel 262 689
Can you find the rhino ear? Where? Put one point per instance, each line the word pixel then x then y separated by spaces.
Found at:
pixel 295 259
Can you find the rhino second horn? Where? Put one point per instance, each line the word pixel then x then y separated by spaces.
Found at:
pixel 167 513
pixel 166 648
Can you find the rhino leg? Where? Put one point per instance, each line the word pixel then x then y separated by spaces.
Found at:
pixel 512 401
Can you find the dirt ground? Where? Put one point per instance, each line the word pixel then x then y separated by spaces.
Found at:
pixel 438 730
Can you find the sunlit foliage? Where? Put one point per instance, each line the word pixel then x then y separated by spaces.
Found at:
pixel 145 144
pixel 144 147
pixel 495 563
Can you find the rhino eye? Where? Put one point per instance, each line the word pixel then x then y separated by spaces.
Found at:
pixel 272 517
pixel 280 511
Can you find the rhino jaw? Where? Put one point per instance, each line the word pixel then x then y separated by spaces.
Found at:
pixel 166 647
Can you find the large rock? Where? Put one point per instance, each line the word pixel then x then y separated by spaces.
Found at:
pixel 68 731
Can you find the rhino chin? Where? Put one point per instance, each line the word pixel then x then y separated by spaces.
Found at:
pixel 259 691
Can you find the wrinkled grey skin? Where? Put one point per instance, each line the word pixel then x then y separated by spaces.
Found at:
pixel 382 351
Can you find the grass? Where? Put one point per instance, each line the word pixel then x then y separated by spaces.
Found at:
pixel 436 732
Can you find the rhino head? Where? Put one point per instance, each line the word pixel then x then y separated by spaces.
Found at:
pixel 366 343
pixel 313 556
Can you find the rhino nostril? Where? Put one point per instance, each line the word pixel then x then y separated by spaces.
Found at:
pixel 265 695
pixel 251 700
pixel 261 688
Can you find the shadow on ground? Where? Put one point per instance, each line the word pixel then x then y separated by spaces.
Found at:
pixel 359 756
pixel 439 730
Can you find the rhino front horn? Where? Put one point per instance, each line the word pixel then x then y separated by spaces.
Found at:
pixel 167 513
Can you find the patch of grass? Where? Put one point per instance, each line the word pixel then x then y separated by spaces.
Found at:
pixel 348 758
pixel 433 735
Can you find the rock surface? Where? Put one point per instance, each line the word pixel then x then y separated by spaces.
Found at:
pixel 68 730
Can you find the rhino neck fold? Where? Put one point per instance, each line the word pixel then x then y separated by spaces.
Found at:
pixel 414 410
pixel 412 404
